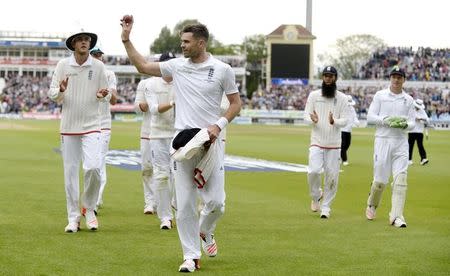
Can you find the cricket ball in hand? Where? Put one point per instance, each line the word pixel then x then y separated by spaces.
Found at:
pixel 127 19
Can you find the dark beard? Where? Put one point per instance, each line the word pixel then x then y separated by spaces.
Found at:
pixel 328 91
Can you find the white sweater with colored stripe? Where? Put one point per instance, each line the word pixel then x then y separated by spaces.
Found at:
pixel 80 105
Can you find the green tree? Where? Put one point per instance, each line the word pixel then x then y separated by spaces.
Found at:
pixel 255 48
pixel 170 41
pixel 351 53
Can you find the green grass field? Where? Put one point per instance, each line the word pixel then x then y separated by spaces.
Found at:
pixel 267 229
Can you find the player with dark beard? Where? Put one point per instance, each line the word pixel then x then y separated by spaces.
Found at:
pixel 326 110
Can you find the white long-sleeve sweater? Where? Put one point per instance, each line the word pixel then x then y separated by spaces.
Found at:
pixel 324 134
pixel 421 120
pixel 387 104
pixel 162 124
pixel 140 98
pixel 105 108
pixel 80 105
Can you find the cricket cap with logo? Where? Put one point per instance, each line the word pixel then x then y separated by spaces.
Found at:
pixel 418 103
pixel 166 56
pixel 96 51
pixel 330 70
pixel 70 39
pixel 397 71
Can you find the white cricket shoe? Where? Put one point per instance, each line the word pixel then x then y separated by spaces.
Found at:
pixel 325 214
pixel 315 205
pixel 424 162
pixel 189 265
pixel 91 220
pixel 209 244
pixel 345 163
pixel 149 210
pixel 166 225
pixel 399 223
pixel 72 227
pixel 371 212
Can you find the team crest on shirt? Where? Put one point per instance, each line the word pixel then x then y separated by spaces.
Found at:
pixel 90 74
pixel 210 75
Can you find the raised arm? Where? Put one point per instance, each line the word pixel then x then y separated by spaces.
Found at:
pixel 142 65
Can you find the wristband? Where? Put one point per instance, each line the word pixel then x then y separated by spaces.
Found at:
pixel 222 123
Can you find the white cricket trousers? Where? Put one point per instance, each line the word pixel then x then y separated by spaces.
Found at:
pixel 147 173
pixel 105 137
pixel 77 148
pixel 326 160
pixel 390 156
pixel 189 224
pixel 162 179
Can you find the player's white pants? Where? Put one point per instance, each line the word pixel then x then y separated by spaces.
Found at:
pixel 147 173
pixel 162 179
pixel 77 148
pixel 326 160
pixel 105 137
pixel 212 195
pixel 390 155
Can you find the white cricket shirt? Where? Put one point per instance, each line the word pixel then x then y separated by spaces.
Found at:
pixel 140 98
pixel 420 124
pixel 352 120
pixel 198 89
pixel 105 110
pixel 162 124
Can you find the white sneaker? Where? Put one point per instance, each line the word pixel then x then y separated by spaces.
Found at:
pixel 72 227
pixel 410 162
pixel 166 225
pixel 189 265
pixel 370 212
pixel 325 214
pixel 91 220
pixel 399 223
pixel 424 162
pixel 149 210
pixel 345 163
pixel 209 244
pixel 315 205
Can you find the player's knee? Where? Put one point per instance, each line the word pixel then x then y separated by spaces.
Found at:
pixel 215 206
pixel 147 170
pixel 400 182
pixel 161 174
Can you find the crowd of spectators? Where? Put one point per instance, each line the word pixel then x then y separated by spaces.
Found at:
pixel 423 64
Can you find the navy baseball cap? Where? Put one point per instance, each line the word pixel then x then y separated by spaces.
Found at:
pixel 397 71
pixel 329 70
pixel 96 50
pixel 166 56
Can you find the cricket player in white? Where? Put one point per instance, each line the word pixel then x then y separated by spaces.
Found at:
pixel 79 83
pixel 392 111
pixel 199 81
pixel 327 110
pixel 105 113
pixel 160 96
pixel 142 107
pixel 346 131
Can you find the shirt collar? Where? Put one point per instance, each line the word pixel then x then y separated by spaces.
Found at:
pixel 73 62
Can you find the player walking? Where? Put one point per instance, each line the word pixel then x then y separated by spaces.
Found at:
pixel 326 109
pixel 105 113
pixel 199 81
pixel 79 83
pixel 160 96
pixel 392 111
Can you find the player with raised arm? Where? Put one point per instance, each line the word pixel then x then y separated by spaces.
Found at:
pixel 199 81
